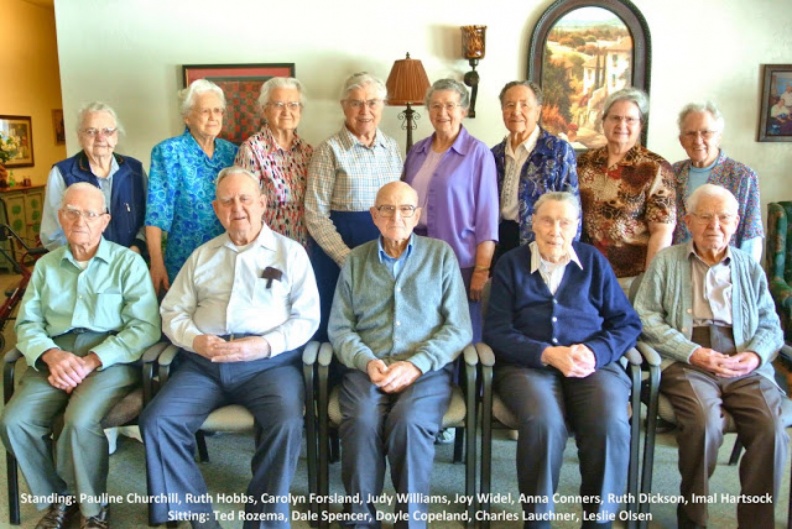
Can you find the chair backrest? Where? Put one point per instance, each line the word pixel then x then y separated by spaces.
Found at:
pixel 776 251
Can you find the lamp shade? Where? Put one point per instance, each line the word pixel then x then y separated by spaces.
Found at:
pixel 407 82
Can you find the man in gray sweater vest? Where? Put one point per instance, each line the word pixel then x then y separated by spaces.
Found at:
pixel 398 321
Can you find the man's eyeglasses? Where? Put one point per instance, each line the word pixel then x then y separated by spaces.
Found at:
pixel 73 214
pixel 357 104
pixel 704 134
pixel 390 211
pixel 705 218
pixel 92 133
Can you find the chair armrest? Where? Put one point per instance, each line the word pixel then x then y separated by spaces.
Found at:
pixel 325 354
pixel 309 357
pixel 485 354
pixel 165 361
pixel 633 356
pixel 12 355
pixel 311 353
pixel 650 356
pixel 148 364
pixel 9 365
pixel 470 356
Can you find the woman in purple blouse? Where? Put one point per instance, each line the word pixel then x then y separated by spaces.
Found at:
pixel 454 175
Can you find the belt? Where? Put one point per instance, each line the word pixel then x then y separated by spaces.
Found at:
pixel 237 335
pixel 83 330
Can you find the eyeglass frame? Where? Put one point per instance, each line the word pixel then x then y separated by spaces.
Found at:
pixel 284 105
pixel 389 211
pixel 93 133
pixel 704 219
pixel 696 134
pixel 74 214
pixel 371 104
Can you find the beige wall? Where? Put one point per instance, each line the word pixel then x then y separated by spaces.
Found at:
pixel 129 53
pixel 29 79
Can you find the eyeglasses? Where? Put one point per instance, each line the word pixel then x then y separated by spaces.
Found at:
pixel 280 105
pixel 206 112
pixel 705 218
pixel 357 104
pixel 629 120
pixel 92 133
pixel 390 211
pixel 74 214
pixel 513 105
pixel 449 107
pixel 704 134
pixel 549 222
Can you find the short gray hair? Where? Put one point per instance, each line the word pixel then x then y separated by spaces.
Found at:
pixel 98 106
pixel 84 187
pixel 196 88
pixel 361 80
pixel 279 82
pixel 558 196
pixel 710 190
pixel 449 84
pixel 533 87
pixel 700 108
pixel 235 169
pixel 633 95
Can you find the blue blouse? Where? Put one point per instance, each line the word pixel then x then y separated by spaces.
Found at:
pixel 180 193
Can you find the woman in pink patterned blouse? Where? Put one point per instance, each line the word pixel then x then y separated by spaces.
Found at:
pixel 279 157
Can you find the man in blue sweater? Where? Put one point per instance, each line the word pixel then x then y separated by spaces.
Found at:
pixel 558 322
pixel 399 319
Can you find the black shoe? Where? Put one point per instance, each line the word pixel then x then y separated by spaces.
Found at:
pixel 59 514
pixel 100 521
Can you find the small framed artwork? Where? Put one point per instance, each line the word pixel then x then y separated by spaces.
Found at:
pixel 581 51
pixel 20 130
pixel 775 111
pixel 241 84
pixel 57 126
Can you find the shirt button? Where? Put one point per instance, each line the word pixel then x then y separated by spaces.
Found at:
pixel 398 323
pixel 398 289
pixel 555 301
pixel 555 319
pixel 690 311
pixel 554 340
pixel 684 329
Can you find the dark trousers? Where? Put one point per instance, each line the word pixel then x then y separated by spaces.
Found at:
pixel 595 408
pixel 401 427
pixel 271 388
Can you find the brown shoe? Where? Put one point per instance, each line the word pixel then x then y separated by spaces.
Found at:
pixel 59 514
pixel 100 521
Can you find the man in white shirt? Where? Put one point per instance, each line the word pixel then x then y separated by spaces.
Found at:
pixel 240 309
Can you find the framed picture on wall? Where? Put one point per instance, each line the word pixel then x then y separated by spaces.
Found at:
pixel 581 51
pixel 241 84
pixel 775 110
pixel 57 126
pixel 19 128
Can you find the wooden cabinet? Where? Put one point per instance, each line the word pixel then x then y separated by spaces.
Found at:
pixel 20 208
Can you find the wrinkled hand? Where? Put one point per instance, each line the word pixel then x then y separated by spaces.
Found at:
pixel 159 277
pixel 242 350
pixel 575 361
pixel 68 370
pixel 725 366
pixel 395 377
pixel 477 281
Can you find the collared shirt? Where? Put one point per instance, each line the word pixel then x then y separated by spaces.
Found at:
pixel 345 175
pixel 510 203
pixel 282 173
pixel 394 264
pixel 180 195
pixel 113 293
pixel 552 273
pixel 712 289
pixel 220 290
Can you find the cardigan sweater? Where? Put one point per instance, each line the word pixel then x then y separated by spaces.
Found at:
pixel 524 318
pixel 420 316
pixel 665 300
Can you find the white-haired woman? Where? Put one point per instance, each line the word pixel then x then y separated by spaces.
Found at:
pixel 345 173
pixel 181 182
pixel 121 179
pixel 627 191
pixel 280 158
pixel 456 180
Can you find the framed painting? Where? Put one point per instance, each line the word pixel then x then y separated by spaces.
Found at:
pixel 57 126
pixel 581 51
pixel 241 84
pixel 19 130
pixel 775 111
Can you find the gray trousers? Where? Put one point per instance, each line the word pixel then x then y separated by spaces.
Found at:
pixel 546 404
pixel 401 427
pixel 80 464
pixel 699 400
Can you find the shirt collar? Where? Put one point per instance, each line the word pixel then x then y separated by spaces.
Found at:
pixel 272 145
pixel 265 239
pixel 530 140
pixel 383 256
pixel 102 252
pixel 461 144
pixel 536 257
pixel 691 253
pixel 349 140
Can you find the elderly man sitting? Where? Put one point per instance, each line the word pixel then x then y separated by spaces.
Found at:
pixel 558 321
pixel 240 309
pixel 706 308
pixel 89 311
pixel 399 319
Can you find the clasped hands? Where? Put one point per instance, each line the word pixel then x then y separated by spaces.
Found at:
pixel 392 378
pixel 575 361
pixel 722 365
pixel 245 349
pixel 67 370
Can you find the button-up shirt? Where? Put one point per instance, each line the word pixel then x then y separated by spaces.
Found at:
pixel 221 290
pixel 394 264
pixel 552 273
pixel 712 289
pixel 515 159
pixel 113 293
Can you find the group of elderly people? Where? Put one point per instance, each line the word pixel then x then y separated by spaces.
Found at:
pixel 271 243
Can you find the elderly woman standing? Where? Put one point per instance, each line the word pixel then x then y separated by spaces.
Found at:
pixel 700 133
pixel 121 179
pixel 627 191
pixel 530 162
pixel 181 186
pixel 345 173
pixel 279 157
pixel 454 175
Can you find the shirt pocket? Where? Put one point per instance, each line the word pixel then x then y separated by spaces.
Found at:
pixel 108 310
pixel 276 294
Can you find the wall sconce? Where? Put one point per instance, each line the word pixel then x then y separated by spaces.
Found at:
pixel 407 85
pixel 473 46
